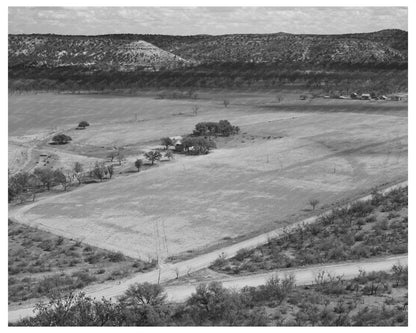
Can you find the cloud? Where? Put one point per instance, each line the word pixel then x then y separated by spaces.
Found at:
pixel 202 20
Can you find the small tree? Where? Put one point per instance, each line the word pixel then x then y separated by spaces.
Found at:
pixel 110 169
pixel 195 109
pixel 313 203
pixel 169 154
pixel 120 157
pixel 61 139
pixel 143 294
pixel 226 102
pixel 166 142
pixel 111 155
pixel 78 168
pixel 98 171
pixel 83 124
pixel 153 156
pixel 138 164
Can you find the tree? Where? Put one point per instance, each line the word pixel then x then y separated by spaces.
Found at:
pixel 144 294
pixel 166 142
pixel 120 157
pixel 61 139
pixel 226 102
pixel 113 154
pixel 83 124
pixel 98 171
pixel 110 169
pixel 45 175
pixel 153 156
pixel 313 203
pixel 195 109
pixel 138 164
pixel 18 183
pixel 60 178
pixel 169 154
pixel 78 168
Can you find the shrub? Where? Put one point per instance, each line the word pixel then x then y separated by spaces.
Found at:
pixel 61 139
pixel 116 256
pixel 83 124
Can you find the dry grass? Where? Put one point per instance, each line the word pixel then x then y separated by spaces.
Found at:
pixel 257 181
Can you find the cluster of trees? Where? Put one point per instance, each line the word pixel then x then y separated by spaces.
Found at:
pixel 24 185
pixel 221 128
pixel 330 301
pixel 197 145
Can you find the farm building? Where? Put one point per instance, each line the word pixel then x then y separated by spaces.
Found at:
pixel 354 95
pixel 177 142
pixel 366 96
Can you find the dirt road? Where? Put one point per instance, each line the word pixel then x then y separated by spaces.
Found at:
pixel 179 293
pixel 168 272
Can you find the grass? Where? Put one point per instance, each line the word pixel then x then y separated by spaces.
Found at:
pixel 366 229
pixel 41 263
pixel 254 182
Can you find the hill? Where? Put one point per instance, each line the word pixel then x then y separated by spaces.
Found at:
pixel 128 52
pixel 97 52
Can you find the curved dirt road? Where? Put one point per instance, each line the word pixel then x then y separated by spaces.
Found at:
pixel 303 276
pixel 168 272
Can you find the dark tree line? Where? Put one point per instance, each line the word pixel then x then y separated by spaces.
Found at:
pixel 382 78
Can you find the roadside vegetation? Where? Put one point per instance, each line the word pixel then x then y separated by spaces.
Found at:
pixel 41 263
pixel 372 228
pixel 370 299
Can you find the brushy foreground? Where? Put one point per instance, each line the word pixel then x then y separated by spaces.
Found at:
pixel 370 299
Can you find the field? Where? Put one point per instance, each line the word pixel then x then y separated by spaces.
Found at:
pixel 287 153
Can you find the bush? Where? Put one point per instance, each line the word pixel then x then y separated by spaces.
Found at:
pixel 116 256
pixel 83 124
pixel 61 139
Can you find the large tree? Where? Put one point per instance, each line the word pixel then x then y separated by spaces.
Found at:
pixel 166 142
pixel 61 139
pixel 46 176
pixel 153 156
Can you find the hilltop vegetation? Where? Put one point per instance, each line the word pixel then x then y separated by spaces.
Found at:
pixel 128 61
pixel 385 47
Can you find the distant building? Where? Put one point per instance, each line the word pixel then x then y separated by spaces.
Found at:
pixel 354 95
pixel 366 96
pixel 177 142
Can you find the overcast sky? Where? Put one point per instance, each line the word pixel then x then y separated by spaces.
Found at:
pixel 204 20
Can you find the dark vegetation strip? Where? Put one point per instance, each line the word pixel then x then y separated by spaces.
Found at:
pixel 342 79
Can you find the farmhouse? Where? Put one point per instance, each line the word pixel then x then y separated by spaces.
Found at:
pixel 366 96
pixel 177 142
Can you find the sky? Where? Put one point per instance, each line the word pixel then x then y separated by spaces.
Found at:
pixel 204 20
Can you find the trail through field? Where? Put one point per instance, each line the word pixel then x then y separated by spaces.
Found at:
pixel 170 271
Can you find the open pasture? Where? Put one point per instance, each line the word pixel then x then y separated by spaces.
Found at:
pixel 258 180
